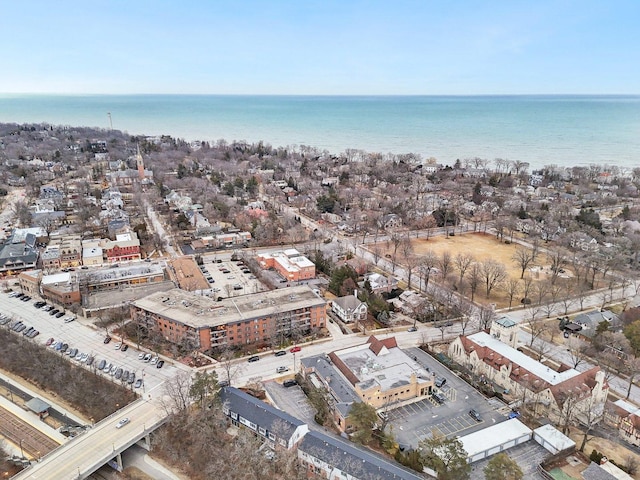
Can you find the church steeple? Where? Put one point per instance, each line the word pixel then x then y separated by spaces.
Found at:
pixel 140 164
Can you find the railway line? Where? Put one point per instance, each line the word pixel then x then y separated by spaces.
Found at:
pixel 31 440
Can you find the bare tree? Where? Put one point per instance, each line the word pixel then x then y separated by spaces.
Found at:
pixel 231 368
pixel 512 287
pixel 493 273
pixel 523 258
pixel 486 315
pixel 474 277
pixel 176 393
pixel 462 262
pixel 445 263
pixel 427 264
pixel 577 351
pixel 558 261
pixel 535 326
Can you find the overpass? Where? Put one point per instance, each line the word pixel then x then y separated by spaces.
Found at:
pixel 101 444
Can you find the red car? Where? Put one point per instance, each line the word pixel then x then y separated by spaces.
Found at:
pixel 295 349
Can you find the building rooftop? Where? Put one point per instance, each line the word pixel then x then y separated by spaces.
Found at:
pixel 113 274
pixel 374 364
pixel 494 435
pixel 57 278
pixel 538 369
pixel 340 387
pixel 200 311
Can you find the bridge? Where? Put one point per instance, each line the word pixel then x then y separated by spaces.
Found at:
pixel 99 445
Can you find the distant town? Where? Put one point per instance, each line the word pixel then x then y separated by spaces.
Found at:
pixel 246 311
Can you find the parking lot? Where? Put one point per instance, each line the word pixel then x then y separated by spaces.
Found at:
pixel 89 342
pixel 416 421
pixel 291 400
pixel 230 278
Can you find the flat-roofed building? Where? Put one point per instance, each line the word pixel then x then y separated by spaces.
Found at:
pixel 51 258
pixel 381 374
pixel 70 248
pixel 184 271
pixel 102 279
pixel 124 248
pixel 259 318
pixel 92 253
pixel 291 264
pixel 61 288
pixel 19 252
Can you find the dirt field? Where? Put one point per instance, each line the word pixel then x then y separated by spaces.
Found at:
pixel 482 246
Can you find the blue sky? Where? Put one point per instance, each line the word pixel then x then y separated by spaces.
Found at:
pixel 321 47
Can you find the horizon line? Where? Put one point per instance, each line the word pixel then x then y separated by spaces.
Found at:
pixel 329 94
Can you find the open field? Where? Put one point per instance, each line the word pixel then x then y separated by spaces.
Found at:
pixel 481 246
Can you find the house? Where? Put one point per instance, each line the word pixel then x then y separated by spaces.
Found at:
pixel 584 243
pixel 324 456
pixel 19 252
pixel 591 320
pixel 274 426
pixel 390 221
pixel 555 394
pixel 381 283
pixel 626 418
pixel 350 308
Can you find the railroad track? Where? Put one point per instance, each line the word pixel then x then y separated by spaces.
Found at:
pixel 34 442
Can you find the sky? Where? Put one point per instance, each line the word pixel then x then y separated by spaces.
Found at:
pixel 320 47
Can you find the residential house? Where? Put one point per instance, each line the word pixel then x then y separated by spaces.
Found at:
pixel 349 309
pixel 590 321
pixel 390 221
pixel 381 283
pixel 274 426
pixel 18 252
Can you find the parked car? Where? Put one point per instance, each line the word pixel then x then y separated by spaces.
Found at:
pixel 475 415
pixel 280 353
pixel 107 339
pixel 147 357
pixel 255 358
pixel 63 348
pixel 59 315
pixel 113 370
pixel 141 356
pixel 160 364
pixel 21 327
pixel 102 364
pixel 49 341
pixel 282 369
pixel 107 367
pixel 138 383
pixel 154 360
pixel 412 329
pixel 125 376
pixel 122 422
pixel 289 383
pixel 34 334
pixel 69 319
pixel 124 347
pixel 73 352
pixel 89 360
pixel 117 346
pixel 119 373
pixel 440 381
pixel 295 349
pixel 54 311
pixel 439 397
pixel 132 378
pixel 28 331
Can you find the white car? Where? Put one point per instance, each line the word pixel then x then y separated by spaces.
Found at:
pixel 141 356
pixel 117 346
pixel 123 422
pixel 69 319
pixel 154 360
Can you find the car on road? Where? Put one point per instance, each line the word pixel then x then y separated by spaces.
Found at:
pixel 289 383
pixel 122 422
pixel 160 364
pixel 138 383
pixel 280 353
pixel 412 329
pixel 295 349
pixel 475 415
pixel 281 369
pixel 107 339
pixel 255 358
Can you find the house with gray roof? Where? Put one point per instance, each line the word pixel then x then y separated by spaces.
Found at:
pixel 275 426
pixel 349 309
pixel 19 252
pixel 326 456
pixel 591 320
pixel 330 458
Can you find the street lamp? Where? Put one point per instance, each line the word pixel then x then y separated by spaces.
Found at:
pixel 21 451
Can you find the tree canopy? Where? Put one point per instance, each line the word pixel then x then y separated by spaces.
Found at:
pixel 363 417
pixel 501 467
pixel 446 457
